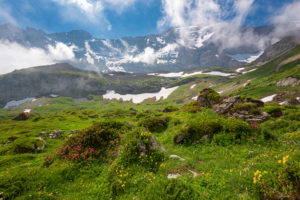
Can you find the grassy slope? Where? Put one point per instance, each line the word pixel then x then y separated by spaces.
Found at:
pixel 225 171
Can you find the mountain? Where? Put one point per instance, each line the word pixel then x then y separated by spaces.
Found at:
pixel 169 51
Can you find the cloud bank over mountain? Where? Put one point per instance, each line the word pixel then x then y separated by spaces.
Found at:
pixel 15 56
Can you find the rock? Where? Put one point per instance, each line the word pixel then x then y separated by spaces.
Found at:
pixel 179 139
pixel 156 145
pixel 290 81
pixel 170 176
pixel 75 131
pixel 94 116
pixel 55 134
pixel 43 147
pixel 142 149
pixel 228 103
pixel 132 109
pixel 246 109
pixel 22 116
pixel 175 156
pixel 208 98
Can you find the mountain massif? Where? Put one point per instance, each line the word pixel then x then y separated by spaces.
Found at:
pixel 173 50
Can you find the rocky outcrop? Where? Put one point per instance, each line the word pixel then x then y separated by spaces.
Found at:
pixel 290 81
pixel 22 116
pixel 53 135
pixel 227 104
pixel 208 98
pixel 242 108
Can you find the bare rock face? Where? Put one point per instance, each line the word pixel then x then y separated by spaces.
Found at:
pixel 227 104
pixel 208 98
pixel 290 81
pixel 22 116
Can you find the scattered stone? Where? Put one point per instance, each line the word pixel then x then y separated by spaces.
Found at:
pixel 22 116
pixel 75 131
pixel 193 172
pixel 291 102
pixel 179 139
pixel 170 176
pixel 94 116
pixel 156 145
pixel 40 149
pixel 55 134
pixel 208 98
pixel 175 156
pixel 142 149
pixel 290 81
pixel 132 109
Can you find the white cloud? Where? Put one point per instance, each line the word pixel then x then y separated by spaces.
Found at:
pixel 92 10
pixel 208 15
pixel 15 56
pixel 288 19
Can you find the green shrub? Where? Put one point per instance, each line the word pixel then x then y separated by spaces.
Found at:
pixel 170 109
pixel 138 148
pixel 155 124
pixel 164 189
pixel 96 141
pixel 274 111
pixel 248 99
pixel 251 108
pixel 192 107
pixel 197 130
pixel 26 145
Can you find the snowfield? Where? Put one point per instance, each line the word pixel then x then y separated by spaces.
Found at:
pixel 139 98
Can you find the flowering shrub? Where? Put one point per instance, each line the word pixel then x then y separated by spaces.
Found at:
pixel 49 159
pixel 95 141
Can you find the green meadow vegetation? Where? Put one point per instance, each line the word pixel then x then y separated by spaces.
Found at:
pixel 168 149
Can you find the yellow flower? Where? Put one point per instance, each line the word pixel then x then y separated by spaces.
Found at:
pixel 230 170
pixel 254 180
pixel 123 185
pixel 279 161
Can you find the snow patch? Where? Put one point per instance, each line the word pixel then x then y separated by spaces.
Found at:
pixel 27 110
pixel 240 69
pixel 139 98
pixel 252 70
pixel 182 74
pixel 268 98
pixel 14 103
pixel 53 95
pixel 193 86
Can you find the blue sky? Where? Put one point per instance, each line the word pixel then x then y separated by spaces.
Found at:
pixel 119 18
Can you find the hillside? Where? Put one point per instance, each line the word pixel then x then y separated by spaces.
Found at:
pixel 90 147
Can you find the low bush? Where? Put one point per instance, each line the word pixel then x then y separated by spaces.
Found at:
pixel 139 147
pixel 205 129
pixel 96 141
pixel 26 145
pixel 192 107
pixel 155 124
pixel 170 109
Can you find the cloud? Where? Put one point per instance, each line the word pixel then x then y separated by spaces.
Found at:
pixel 288 19
pixel 15 56
pixel 222 19
pixel 92 10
